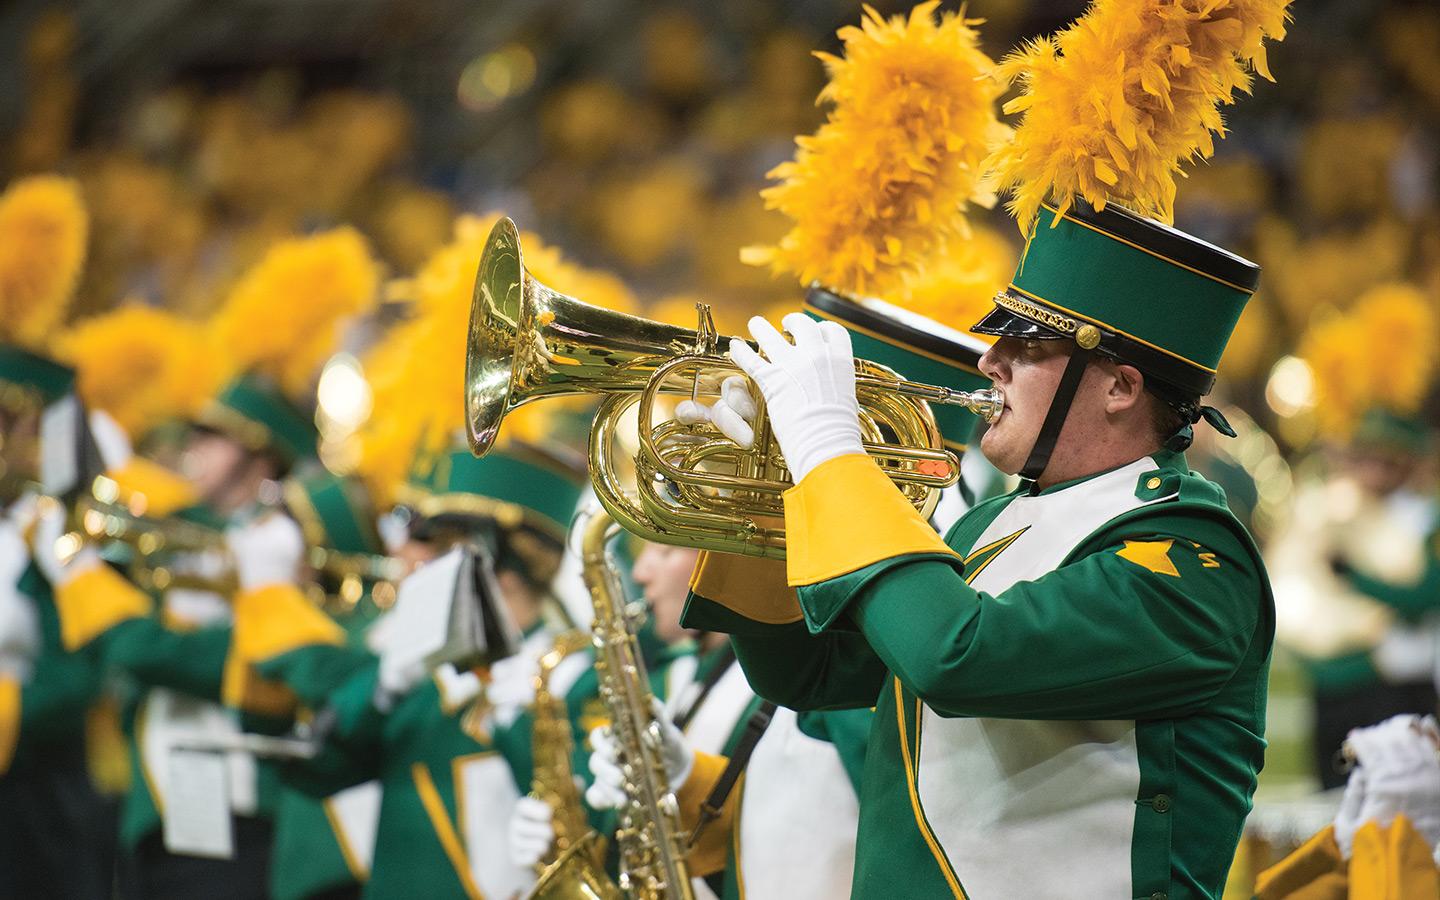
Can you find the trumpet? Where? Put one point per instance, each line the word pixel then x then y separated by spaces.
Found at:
pixel 691 485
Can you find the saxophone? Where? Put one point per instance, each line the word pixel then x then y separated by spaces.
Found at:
pixel 575 865
pixel 649 839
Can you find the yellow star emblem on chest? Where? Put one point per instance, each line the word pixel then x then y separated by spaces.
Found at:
pixel 1152 555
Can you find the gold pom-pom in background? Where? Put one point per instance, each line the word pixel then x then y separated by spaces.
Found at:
pixel 43 233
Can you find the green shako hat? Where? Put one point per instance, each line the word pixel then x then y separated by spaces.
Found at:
pixel 1155 297
pixel 253 411
pixel 515 484
pixel 1130 288
pixel 334 511
pixel 69 457
pixel 916 347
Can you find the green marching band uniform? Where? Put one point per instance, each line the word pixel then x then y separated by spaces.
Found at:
pixel 326 844
pixel 54 834
pixel 452 761
pixel 804 774
pixel 1069 689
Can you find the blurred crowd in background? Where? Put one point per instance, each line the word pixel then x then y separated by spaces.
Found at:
pixel 634 139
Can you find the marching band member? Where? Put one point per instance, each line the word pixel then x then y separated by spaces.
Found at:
pixel 1112 563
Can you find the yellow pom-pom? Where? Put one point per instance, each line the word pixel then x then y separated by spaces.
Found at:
pixel 43 233
pixel 1117 102
pixel 1351 377
pixel 142 365
pixel 886 180
pixel 284 316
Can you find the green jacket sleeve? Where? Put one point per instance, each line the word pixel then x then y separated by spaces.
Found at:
pixel 1152 625
pixel 791 667
pixel 190 661
pixel 1409 600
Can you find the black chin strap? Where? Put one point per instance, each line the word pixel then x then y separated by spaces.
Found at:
pixel 1055 418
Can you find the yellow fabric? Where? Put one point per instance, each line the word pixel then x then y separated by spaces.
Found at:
pixel 1316 871
pixel 150 489
pixel 444 829
pixel 1152 555
pixel 710 854
pixel 755 588
pixel 1392 863
pixel 269 621
pixel 9 720
pixel 107 756
pixel 846 515
pixel 95 601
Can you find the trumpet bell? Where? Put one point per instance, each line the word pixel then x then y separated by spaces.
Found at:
pixel 527 341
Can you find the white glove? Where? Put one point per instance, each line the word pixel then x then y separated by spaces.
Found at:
pixel 809 389
pixel 512 681
pixel 110 439
pixel 59 563
pixel 267 551
pixel 19 622
pixel 734 413
pixel 531 833
pixel 1397 772
pixel 1405 654
pixel 608 790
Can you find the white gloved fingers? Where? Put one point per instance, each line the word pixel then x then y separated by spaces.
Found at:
pixel 771 341
pixel 735 393
pixel 608 789
pixel 837 336
pixel 744 356
pixel 733 425
pixel 692 412
pixel 267 551
pixel 1349 816
pixel 678 754
pixel 805 330
pixel 531 831
pixel 110 439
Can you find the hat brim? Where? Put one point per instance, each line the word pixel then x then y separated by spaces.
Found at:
pixel 1004 323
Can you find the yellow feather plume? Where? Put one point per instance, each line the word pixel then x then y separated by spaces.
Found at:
pixel 886 180
pixel 1115 104
pixel 958 286
pixel 1382 354
pixel 284 317
pixel 141 365
pixel 43 233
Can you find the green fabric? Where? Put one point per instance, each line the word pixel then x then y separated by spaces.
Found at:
pixel 59 692
pixel 956 423
pixel 1081 270
pixel 1413 600
pixel 539 492
pixel 48 379
pixel 343 511
pixel 1097 638
pixel 271 421
pixel 1384 428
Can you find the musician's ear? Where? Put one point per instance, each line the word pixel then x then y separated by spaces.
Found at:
pixel 1124 386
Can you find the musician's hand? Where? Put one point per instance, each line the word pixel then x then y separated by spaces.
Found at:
pixel 60 561
pixel 608 790
pixel 1397 773
pixel 733 414
pixel 809 389
pixel 531 831
pixel 267 551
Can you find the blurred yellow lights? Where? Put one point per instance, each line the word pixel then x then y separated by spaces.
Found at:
pixel 492 79
pixel 1290 390
pixel 344 394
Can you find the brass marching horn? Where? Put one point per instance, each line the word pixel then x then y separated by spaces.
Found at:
pixel 692 486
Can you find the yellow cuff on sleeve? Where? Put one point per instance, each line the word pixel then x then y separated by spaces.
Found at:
pixel 753 587
pixel 1392 862
pixel 846 515
pixel 1316 868
pixel 151 489
pixel 710 855
pixel 269 621
pixel 95 601
pixel 9 720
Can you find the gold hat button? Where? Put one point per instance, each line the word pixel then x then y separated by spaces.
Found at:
pixel 1088 337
